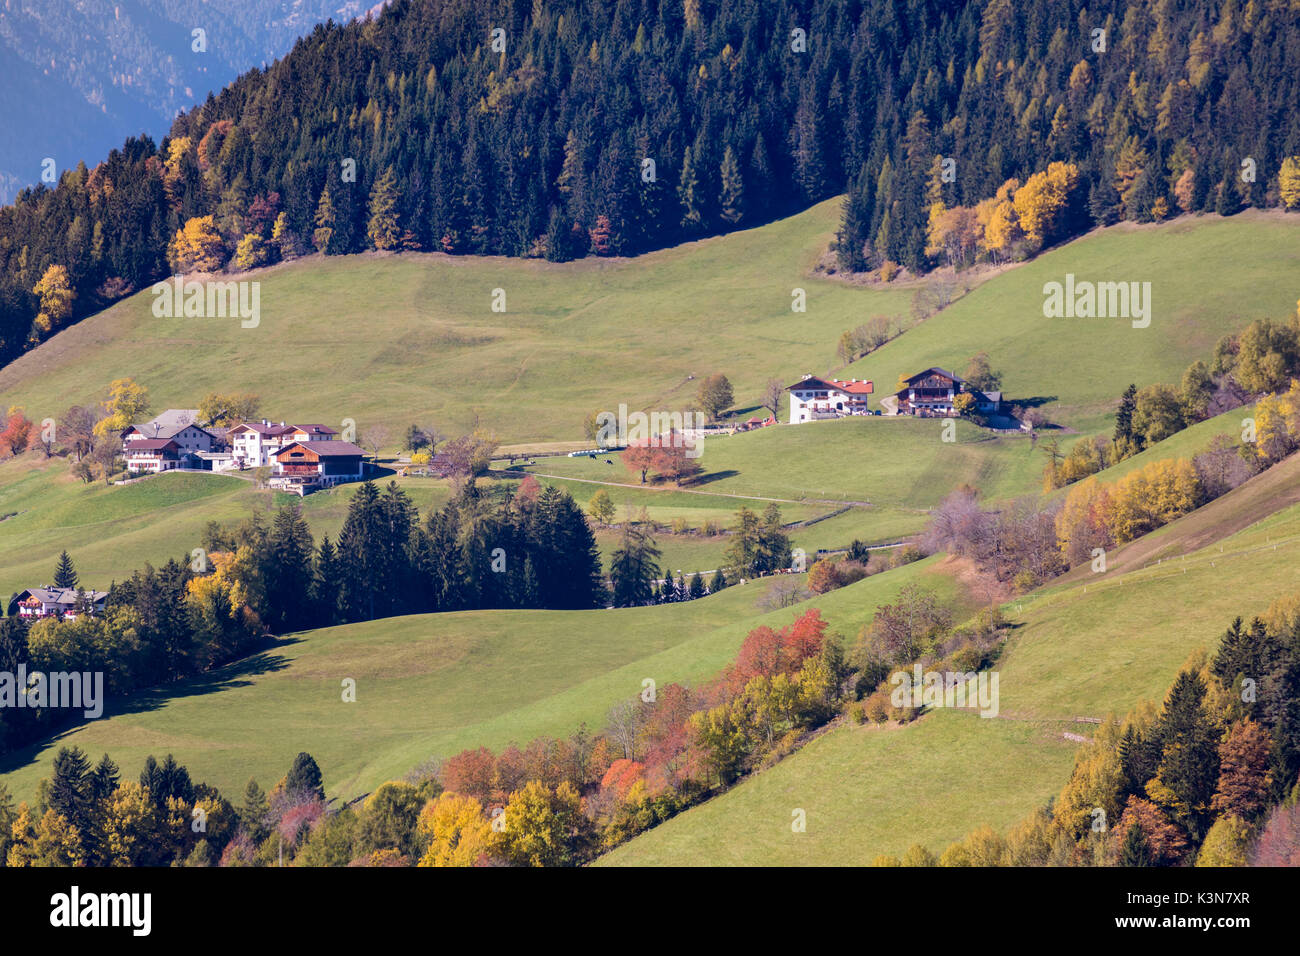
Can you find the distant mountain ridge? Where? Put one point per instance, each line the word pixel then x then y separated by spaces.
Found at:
pixel 80 78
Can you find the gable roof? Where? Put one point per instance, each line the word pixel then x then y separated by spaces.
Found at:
pixel 151 444
pixel 266 429
pixel 325 449
pixel 152 430
pixel 848 386
pixel 854 386
pixel 68 596
pixel 314 429
pixel 809 381
pixel 177 416
pixel 931 370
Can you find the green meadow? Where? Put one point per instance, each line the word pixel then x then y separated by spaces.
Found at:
pixel 1209 276
pixel 1083 650
pixel 431 685
pixel 391 339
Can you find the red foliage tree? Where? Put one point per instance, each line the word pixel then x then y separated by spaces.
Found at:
pixel 1279 842
pixel 639 456
pixel 621 775
pixel 470 773
pixel 1243 771
pixel 766 653
pixel 528 490
pixel 601 235
pixel 17 433
pixel 1168 844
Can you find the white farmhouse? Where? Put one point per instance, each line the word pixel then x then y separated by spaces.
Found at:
pixel 814 398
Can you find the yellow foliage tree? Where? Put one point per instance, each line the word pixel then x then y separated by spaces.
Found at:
pixel 197 247
pixel 55 290
pixel 1094 785
pixel 52 841
pixel 126 404
pixel 1288 182
pixel 1152 496
pixel 251 252
pixel 1044 196
pixel 176 151
pixel 456 831
pixel 1002 229
pixel 1277 424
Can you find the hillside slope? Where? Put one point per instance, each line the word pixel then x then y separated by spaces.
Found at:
pixel 418 333
pixel 1081 650
pixel 431 685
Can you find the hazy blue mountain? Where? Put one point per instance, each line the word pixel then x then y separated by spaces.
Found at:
pixel 79 76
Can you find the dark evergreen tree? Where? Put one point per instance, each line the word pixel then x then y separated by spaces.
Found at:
pixel 1135 850
pixel 634 567
pixel 65 575
pixel 1189 764
pixel 287 571
pixel 718 581
pixel 1124 417
pixel 304 778
pixel 254 812
pixel 71 790
pixel 327 585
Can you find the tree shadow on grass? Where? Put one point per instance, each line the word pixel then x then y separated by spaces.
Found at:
pixel 236 674
pixel 711 476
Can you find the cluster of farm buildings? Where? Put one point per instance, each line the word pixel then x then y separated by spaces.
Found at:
pixel 65 603
pixel 931 393
pixel 302 457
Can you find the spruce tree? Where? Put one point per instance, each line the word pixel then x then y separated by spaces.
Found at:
pixel 326 223
pixel 732 199
pixel 634 567
pixel 327 584
pixel 304 778
pixel 105 778
pixel 382 230
pixel 1135 850
pixel 71 789
pixel 718 581
pixel 1229 200
pixel 1189 765
pixel 1124 417
pixel 65 575
pixel 688 195
pixel 253 812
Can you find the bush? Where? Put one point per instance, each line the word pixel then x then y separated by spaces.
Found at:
pixel 857 712
pixel 906 555
pixel 876 707
pixel 871 675
pixel 966 659
pixel 1024 581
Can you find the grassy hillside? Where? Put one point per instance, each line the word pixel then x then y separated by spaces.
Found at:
pixel 1079 650
pixel 431 685
pixel 889 463
pixel 419 332
pixel 112 530
pixel 866 791
pixel 1208 276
